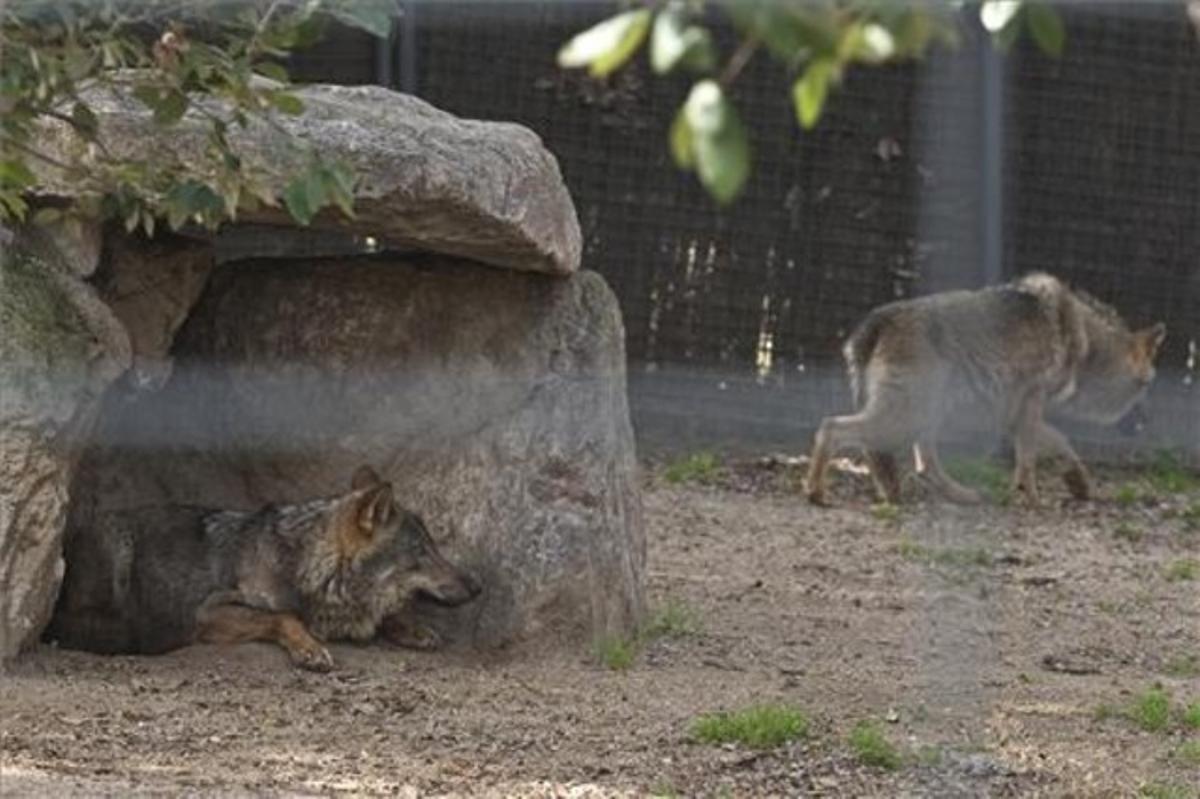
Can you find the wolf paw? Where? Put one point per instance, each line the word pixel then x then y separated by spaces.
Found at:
pixel 412 636
pixel 313 657
pixel 1078 484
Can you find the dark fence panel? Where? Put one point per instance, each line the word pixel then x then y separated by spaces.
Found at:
pixel 735 317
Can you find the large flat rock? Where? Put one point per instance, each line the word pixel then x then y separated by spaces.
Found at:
pixel 488 191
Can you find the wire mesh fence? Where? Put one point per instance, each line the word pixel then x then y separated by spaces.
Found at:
pixel 735 317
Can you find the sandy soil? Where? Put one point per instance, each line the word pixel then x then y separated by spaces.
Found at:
pixel 983 641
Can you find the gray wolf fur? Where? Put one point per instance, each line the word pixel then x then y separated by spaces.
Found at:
pixel 339 568
pixel 1018 349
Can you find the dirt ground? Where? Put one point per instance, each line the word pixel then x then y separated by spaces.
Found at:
pixel 984 641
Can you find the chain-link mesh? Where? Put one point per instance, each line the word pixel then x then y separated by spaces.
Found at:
pixel 735 317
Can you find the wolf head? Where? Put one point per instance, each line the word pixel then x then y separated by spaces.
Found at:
pixel 1116 373
pixel 389 555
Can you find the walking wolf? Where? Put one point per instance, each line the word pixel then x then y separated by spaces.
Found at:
pixel 1018 349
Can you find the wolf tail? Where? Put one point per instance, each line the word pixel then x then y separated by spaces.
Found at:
pixel 858 350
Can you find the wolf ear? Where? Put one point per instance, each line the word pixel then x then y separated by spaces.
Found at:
pixel 1151 339
pixel 375 508
pixel 364 477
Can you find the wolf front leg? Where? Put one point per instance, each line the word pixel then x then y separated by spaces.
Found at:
pixel 223 619
pixel 1076 477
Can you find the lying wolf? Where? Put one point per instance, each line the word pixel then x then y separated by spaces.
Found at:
pixel 1016 349
pixel 160 578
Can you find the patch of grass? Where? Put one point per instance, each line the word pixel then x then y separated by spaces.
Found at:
pixel 1188 753
pixel 983 475
pixel 1170 475
pixel 1183 570
pixel 1191 517
pixel 1128 494
pixel 674 619
pixel 929 755
pixel 1127 532
pixel 911 550
pixel 952 557
pixel 701 467
pixel 1151 710
pixel 1183 666
pixel 616 653
pixel 1164 790
pixel 886 512
pixel 961 557
pixel 1191 716
pixel 872 747
pixel 759 727
pixel 663 790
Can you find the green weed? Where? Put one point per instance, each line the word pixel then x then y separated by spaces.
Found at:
pixel 886 512
pixel 1183 666
pixel 759 727
pixel 983 475
pixel 1127 532
pixel 1164 790
pixel 1128 494
pixel 872 747
pixel 702 467
pixel 1169 475
pixel 616 653
pixel 1188 753
pixel 1151 710
pixel 1183 570
pixel 674 619
pixel 1191 716
pixel 952 557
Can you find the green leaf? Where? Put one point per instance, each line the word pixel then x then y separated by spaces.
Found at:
pixel 287 103
pixel 168 105
pixel 790 32
pixel 666 41
pixel 996 15
pixel 373 16
pixel 681 142
pixel 1046 27
pixel 191 199
pixel 674 43
pixel 810 91
pixel 14 173
pixel 607 46
pixel 305 195
pixel 85 120
pixel 276 72
pixel 719 142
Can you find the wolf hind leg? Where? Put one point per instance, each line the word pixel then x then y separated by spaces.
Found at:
pixel 223 620
pixel 1026 425
pixel 931 464
pixel 869 429
pixel 885 474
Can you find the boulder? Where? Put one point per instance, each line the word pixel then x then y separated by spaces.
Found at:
pixel 488 191
pixel 495 402
pixel 60 348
